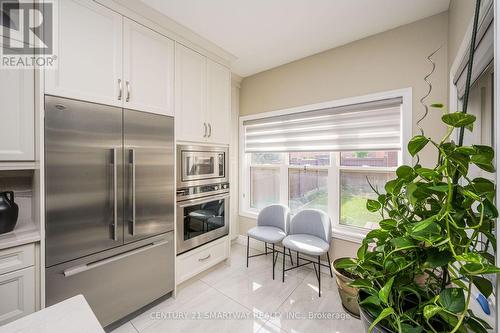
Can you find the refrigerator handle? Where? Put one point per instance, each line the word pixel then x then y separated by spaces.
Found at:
pixel 115 194
pixel 132 168
pixel 83 268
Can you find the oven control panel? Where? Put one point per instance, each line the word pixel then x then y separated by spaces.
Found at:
pixel 201 191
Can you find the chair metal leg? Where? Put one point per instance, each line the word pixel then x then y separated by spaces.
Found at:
pixel 248 247
pixel 284 258
pixel 266 248
pixel 273 261
pixel 319 276
pixel 298 258
pixel 329 263
pixel 290 253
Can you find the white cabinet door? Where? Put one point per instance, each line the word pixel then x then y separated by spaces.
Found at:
pixel 190 95
pixel 89 64
pixel 219 102
pixel 17 114
pixel 148 69
pixel 17 294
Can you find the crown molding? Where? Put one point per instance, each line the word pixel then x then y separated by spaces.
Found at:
pixel 150 17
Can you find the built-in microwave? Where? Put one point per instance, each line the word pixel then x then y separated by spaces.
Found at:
pixel 200 165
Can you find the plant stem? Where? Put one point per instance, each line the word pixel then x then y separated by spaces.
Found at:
pixel 462 316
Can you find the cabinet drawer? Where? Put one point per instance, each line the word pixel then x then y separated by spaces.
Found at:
pixel 200 259
pixel 15 258
pixel 17 292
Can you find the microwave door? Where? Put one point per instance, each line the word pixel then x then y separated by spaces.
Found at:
pixel 149 174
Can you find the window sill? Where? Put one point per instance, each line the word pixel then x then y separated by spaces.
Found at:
pixel 348 234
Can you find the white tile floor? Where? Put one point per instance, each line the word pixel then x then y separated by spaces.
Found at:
pixel 240 299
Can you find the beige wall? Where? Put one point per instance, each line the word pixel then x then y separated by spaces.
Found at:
pixel 459 17
pixel 391 60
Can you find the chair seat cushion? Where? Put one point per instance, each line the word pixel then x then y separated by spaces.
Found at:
pixel 267 234
pixel 307 244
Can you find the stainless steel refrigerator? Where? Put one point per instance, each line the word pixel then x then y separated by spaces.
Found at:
pixel 109 197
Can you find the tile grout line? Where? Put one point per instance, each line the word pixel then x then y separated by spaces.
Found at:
pixel 135 328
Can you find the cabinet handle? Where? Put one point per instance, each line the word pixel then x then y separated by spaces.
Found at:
pixel 209 130
pixel 205 258
pixel 205 125
pixel 128 91
pixel 120 89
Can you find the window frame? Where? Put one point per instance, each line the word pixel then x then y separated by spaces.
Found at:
pixel 350 233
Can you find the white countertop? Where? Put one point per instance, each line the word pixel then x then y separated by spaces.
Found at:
pixel 25 233
pixel 72 315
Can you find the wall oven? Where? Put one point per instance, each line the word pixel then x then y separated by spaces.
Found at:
pixel 202 215
pixel 200 165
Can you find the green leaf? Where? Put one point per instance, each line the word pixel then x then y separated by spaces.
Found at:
pixel 439 188
pixel 404 171
pixel 384 314
pixel 384 293
pixel 373 205
pixel 437 105
pixel 406 328
pixel 427 174
pixel 489 209
pixel 453 299
pixel 362 251
pixel 459 119
pixel 483 162
pixel 436 258
pixel 431 310
pixel 345 263
pixel 471 195
pixel 483 186
pixel 362 284
pixel 483 285
pixel 475 326
pixel 416 144
pixel 388 224
pixel 403 243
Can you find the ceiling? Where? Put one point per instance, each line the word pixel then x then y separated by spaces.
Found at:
pixel 263 34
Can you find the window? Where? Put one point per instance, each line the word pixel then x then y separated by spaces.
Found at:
pixel 359 170
pixel 308 181
pixel 357 147
pixel 264 179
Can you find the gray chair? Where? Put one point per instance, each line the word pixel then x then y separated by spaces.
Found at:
pixel 310 234
pixel 272 227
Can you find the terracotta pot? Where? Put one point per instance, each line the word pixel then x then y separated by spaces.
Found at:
pixel 348 294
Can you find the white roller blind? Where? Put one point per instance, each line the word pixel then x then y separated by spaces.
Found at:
pixel 483 52
pixel 367 126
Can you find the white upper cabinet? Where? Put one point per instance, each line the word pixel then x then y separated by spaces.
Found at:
pixel 148 69
pixel 89 53
pixel 190 95
pixel 218 102
pixel 17 114
pixel 203 98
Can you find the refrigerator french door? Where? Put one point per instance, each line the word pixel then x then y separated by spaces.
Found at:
pixel 149 158
pixel 109 203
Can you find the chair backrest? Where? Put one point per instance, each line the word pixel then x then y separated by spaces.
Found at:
pixel 275 216
pixel 312 222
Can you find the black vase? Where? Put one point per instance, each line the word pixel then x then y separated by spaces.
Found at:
pixel 9 211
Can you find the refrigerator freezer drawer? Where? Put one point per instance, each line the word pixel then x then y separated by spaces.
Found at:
pixel 118 284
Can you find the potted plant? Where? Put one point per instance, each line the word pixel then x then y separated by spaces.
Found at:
pixel 432 245
pixel 347 293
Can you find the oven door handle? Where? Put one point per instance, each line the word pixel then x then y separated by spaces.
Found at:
pixel 188 203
